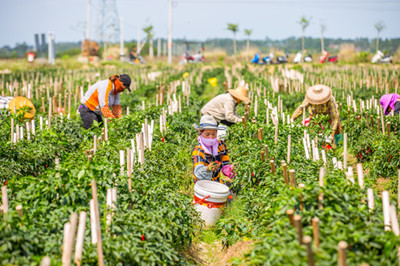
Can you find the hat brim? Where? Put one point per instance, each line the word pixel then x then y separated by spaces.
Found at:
pixel 198 128
pixel 240 97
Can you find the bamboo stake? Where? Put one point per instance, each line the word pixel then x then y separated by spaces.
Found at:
pixel 105 129
pixel 315 225
pixel 266 152
pixel 371 201
pixel 386 211
pixel 272 163
pixel 69 244
pixel 307 241
pixel 393 220
pixel 285 173
pixel 4 198
pixel 345 150
pixel 276 133
pixel 46 261
pixel 129 168
pixel 292 177
pixel 398 187
pixel 388 129
pixel 342 251
pixel 360 175
pixel 93 229
pixel 98 229
pixel 80 238
pixel 299 227
pixel 289 148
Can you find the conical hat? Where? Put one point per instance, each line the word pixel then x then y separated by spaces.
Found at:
pixel 241 93
pixel 20 102
pixel 318 94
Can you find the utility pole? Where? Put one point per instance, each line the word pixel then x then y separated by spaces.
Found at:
pixel 121 39
pixel 170 33
pixel 88 21
pixel 138 41
pixel 52 52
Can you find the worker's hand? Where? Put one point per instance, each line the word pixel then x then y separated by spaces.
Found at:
pixel 214 166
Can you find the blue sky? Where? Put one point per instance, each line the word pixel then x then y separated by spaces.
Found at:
pixel 201 19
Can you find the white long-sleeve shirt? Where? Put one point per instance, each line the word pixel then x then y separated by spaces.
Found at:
pixel 222 107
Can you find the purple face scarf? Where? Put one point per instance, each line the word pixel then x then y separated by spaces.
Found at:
pixel 388 100
pixel 210 146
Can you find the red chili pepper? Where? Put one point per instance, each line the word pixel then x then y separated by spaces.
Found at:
pixel 142 237
pixel 46 165
pixel 162 139
pixel 6 183
pixel 218 162
pixel 252 174
pixel 390 158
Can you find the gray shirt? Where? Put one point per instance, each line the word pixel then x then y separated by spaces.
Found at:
pixel 222 107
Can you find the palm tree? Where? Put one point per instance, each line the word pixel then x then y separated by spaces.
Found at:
pixel 323 28
pixel 233 28
pixel 149 31
pixel 379 26
pixel 304 23
pixel 248 33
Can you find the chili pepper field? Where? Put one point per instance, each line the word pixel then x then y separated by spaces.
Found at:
pixel 121 194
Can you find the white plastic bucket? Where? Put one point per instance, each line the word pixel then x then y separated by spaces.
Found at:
pixel 210 192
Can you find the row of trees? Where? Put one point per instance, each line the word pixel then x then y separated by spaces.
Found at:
pixel 304 22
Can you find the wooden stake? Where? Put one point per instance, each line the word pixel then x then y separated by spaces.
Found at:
pixel 19 210
pixel 315 225
pixel 299 227
pixel 93 229
pixel 272 163
pixel 80 238
pixel 98 228
pixel 345 150
pixel 260 134
pixel 266 152
pixel 290 213
pixel 301 185
pixel 244 121
pixel 46 261
pixel 360 174
pixel 276 133
pixel 342 251
pixel 398 187
pixel 263 156
pixel 292 177
pixel 285 174
pixel 388 129
pixel 105 129
pixel 307 241
pixel 129 168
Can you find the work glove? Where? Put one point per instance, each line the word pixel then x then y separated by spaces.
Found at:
pixel 228 171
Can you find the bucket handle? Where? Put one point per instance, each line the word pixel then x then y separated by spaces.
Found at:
pixel 203 199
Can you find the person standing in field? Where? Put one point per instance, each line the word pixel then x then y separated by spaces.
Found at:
pixel 319 100
pixel 390 102
pixel 102 99
pixel 223 107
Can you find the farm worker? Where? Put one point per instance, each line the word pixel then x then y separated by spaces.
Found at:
pixel 319 100
pixel 223 107
pixel 390 102
pixel 210 156
pixel 102 96
pixel 19 104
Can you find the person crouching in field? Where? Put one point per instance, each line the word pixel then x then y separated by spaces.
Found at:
pixel 390 102
pixel 101 97
pixel 210 156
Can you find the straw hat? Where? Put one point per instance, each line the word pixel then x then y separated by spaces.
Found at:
pixel 206 122
pixel 318 94
pixel 241 93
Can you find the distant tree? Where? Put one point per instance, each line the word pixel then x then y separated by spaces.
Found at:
pixel 149 31
pixel 234 28
pixel 248 32
pixel 379 26
pixel 322 28
pixel 304 23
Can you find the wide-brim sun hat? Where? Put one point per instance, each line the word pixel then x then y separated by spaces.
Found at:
pixel 240 93
pixel 206 122
pixel 318 94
